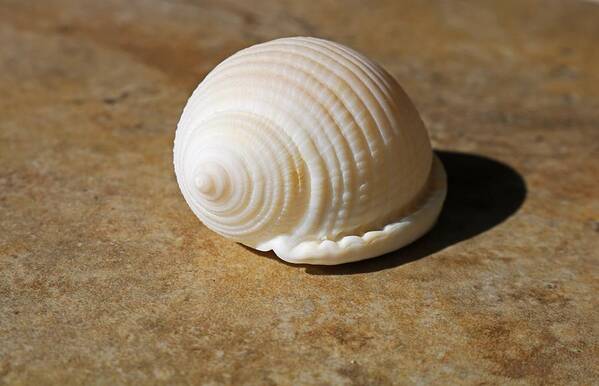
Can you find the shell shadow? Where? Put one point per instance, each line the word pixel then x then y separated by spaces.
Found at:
pixel 482 193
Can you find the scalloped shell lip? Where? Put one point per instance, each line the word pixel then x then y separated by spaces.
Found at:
pixel 373 243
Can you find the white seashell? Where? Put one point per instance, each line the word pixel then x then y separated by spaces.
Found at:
pixel 305 147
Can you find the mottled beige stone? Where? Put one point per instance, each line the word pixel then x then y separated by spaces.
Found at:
pixel 106 277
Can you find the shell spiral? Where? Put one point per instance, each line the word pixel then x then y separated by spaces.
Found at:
pixel 305 147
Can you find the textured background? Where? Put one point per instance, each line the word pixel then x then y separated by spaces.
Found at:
pixel 107 277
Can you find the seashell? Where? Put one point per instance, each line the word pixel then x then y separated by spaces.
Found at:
pixel 307 148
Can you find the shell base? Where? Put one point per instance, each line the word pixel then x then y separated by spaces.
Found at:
pixel 373 243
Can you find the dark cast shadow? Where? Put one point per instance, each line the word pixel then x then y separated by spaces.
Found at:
pixel 481 193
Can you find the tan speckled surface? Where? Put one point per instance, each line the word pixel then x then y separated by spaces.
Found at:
pixel 106 277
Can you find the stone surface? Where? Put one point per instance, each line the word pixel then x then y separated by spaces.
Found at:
pixel 106 277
